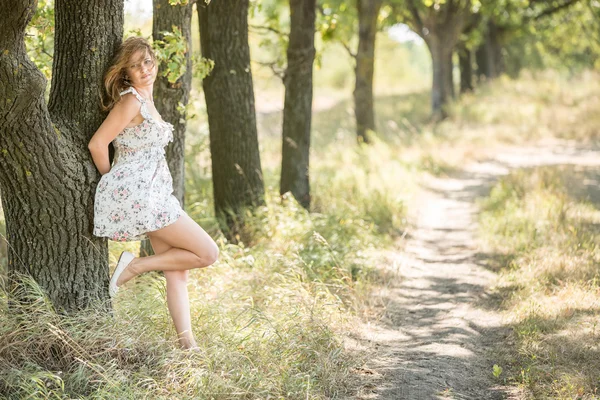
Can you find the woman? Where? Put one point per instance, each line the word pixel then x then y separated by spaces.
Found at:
pixel 134 198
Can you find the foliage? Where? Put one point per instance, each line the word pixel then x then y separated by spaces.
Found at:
pixel 40 37
pixel 569 39
pixel 171 50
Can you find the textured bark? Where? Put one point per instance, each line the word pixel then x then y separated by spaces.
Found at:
pixel 168 97
pixel 465 61
pixel 237 175
pixel 368 10
pixel 297 111
pixel 47 178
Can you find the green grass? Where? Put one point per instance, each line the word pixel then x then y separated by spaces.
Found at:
pixel 275 315
pixel 272 319
pixel 549 235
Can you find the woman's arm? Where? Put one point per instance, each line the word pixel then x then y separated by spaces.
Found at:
pixel 118 118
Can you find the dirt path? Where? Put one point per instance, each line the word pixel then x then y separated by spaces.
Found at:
pixel 436 337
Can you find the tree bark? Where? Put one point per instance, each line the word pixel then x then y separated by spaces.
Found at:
pixel 237 175
pixel 169 98
pixel 297 111
pixel 466 69
pixel 368 11
pixel 47 177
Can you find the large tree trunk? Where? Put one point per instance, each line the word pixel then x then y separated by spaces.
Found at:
pixel 297 111
pixel 169 97
pixel 229 93
pixel 47 178
pixel 368 10
pixel 466 69
pixel 440 26
pixel 442 88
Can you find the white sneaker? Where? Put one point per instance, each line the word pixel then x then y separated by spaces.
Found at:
pixel 124 260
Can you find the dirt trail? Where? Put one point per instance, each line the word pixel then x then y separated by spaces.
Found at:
pixel 437 333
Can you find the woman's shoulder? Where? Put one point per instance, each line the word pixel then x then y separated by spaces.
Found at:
pixel 134 94
pixel 128 90
pixel 127 105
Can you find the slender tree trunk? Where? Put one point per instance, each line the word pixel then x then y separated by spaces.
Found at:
pixel 490 64
pixel 466 69
pixel 229 93
pixel 169 98
pixel 495 50
pixel 47 177
pixel 440 28
pixel 297 111
pixel 368 11
pixel 483 68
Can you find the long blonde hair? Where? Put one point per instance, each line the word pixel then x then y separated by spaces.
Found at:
pixel 115 79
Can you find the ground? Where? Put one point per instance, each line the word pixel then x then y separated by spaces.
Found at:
pixel 436 338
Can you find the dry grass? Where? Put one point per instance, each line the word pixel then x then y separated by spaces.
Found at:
pixel 551 286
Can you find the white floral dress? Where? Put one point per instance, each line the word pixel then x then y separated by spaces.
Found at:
pixel 136 195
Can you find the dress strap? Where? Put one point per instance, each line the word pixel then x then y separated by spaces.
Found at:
pixel 143 109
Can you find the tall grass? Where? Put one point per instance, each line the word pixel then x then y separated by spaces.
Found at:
pixel 272 319
pixel 549 242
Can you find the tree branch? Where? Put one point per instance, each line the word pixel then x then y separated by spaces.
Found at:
pixel 268 28
pixel 416 17
pixel 277 71
pixel 552 10
pixel 348 49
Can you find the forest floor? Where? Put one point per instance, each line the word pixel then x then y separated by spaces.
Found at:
pixel 441 326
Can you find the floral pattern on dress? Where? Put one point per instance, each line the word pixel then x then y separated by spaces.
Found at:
pixel 136 195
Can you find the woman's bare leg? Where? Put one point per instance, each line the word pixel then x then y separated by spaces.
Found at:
pixel 190 247
pixel 177 298
pixel 178 303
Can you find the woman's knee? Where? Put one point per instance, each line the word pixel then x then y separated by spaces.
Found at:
pixel 207 255
pixel 212 253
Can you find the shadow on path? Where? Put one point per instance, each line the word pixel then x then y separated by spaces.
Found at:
pixel 441 322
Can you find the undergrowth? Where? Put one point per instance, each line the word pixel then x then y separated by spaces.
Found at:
pixel 271 317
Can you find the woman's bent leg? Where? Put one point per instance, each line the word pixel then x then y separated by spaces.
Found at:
pixel 177 299
pixel 190 247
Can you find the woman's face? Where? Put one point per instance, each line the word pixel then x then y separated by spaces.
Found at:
pixel 142 69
